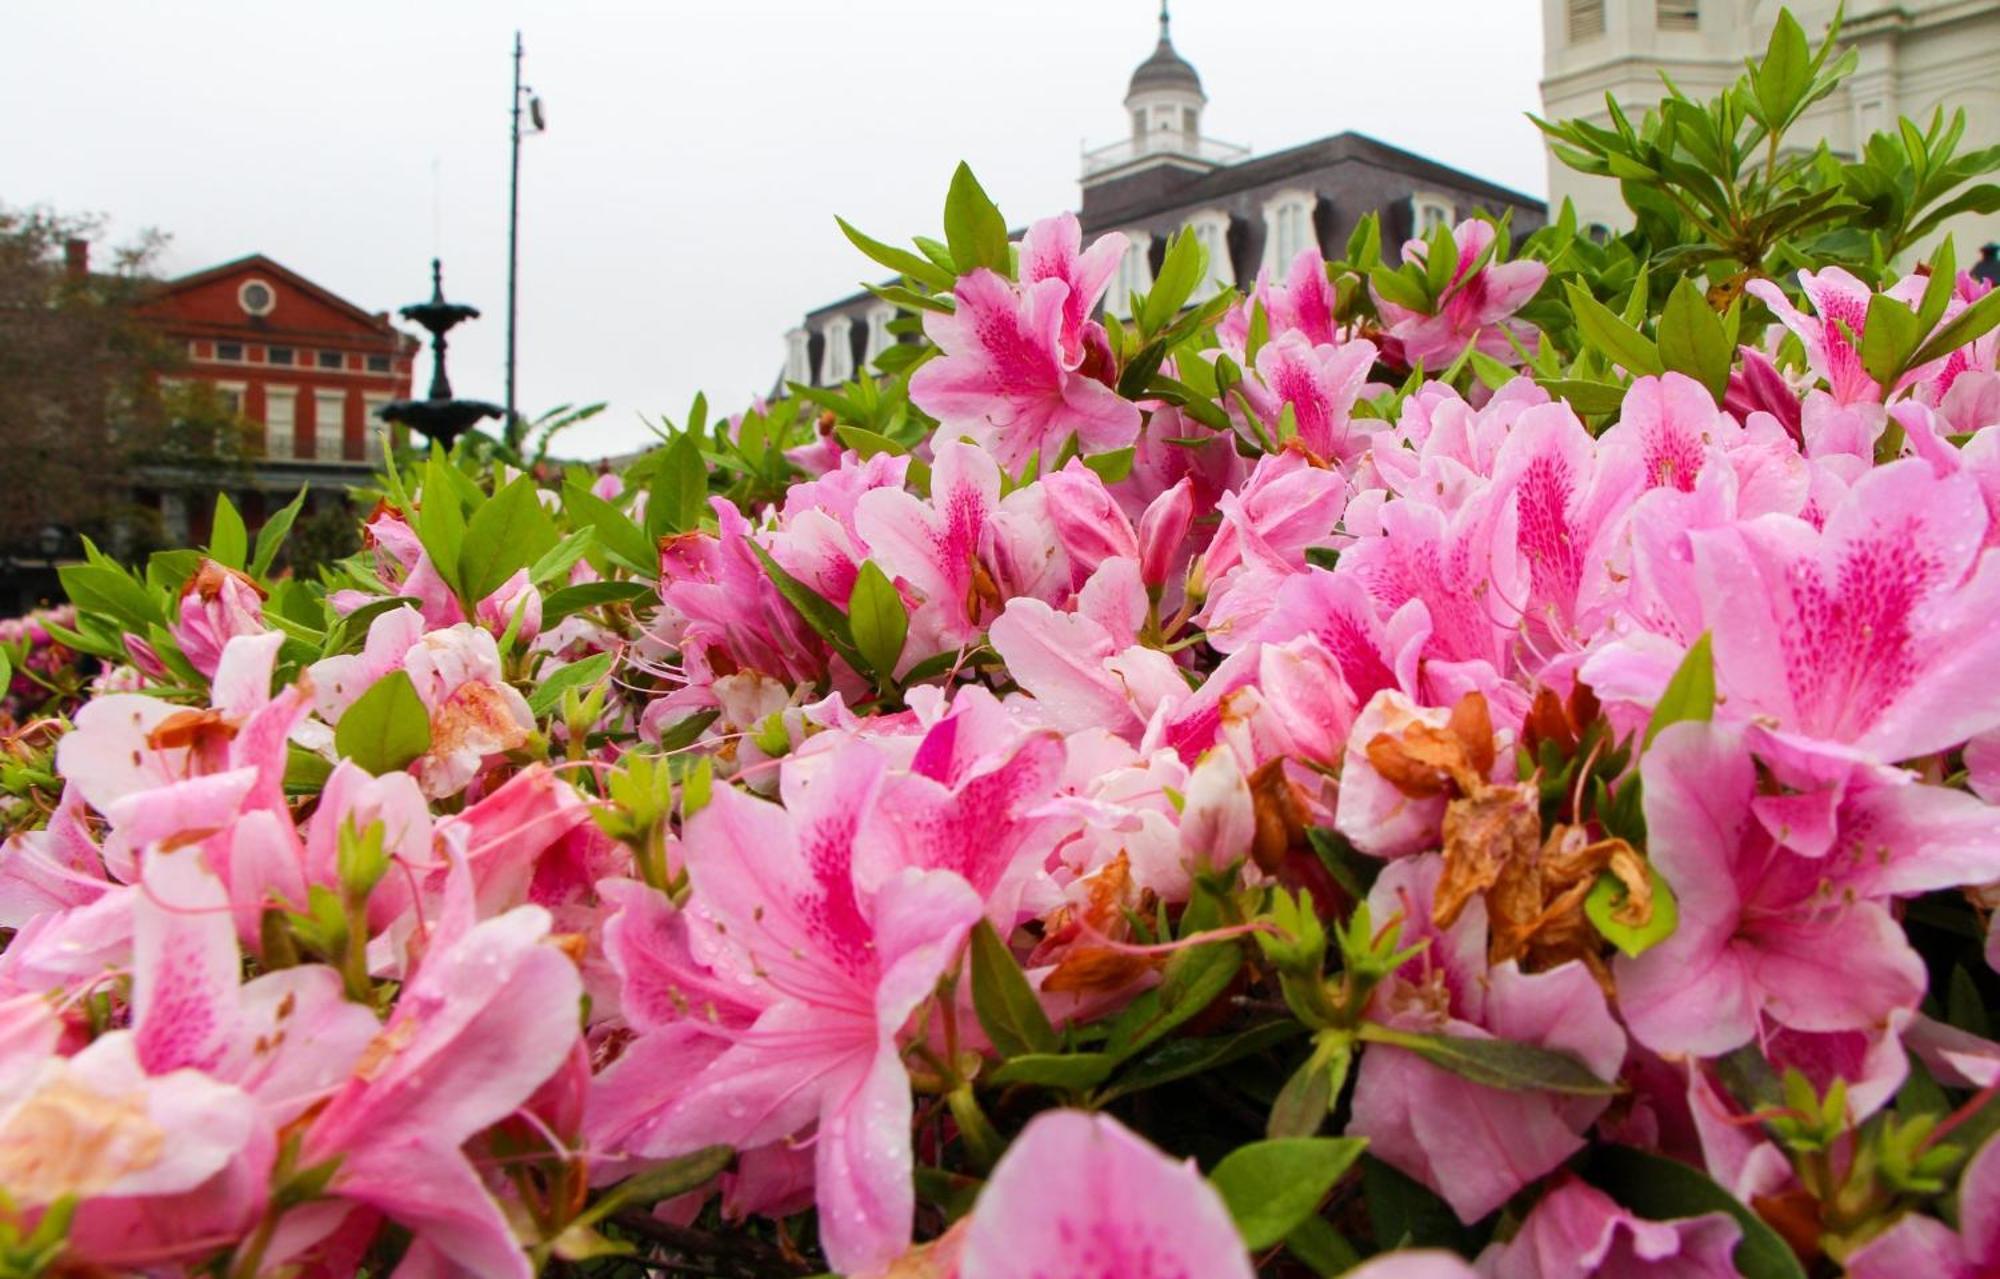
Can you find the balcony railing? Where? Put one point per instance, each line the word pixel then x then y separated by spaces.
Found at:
pixel 1120 154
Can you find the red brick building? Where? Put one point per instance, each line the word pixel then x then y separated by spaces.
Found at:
pixel 308 367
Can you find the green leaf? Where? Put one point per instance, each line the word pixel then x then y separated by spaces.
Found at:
pixel 1182 1058
pixel 1009 1010
pixel 1113 466
pixel 109 591
pixel 1690 694
pixel 1497 1063
pixel 1193 979
pixel 506 534
pixel 1321 1248
pixel 1889 333
pixel 1072 1072
pixel 559 604
pixel 1180 272
pixel 675 1177
pixel 878 620
pixel 440 522
pixel 228 542
pixel 1592 399
pixel 1967 326
pixel 386 728
pixel 616 532
pixel 1692 339
pixel 581 674
pixel 684 732
pixel 272 535
pixel 1406 1214
pixel 973 226
pixel 1273 1186
pixel 1607 895
pixel 680 488
pixel 1610 336
pixel 1783 78
pixel 813 608
pixel 868 443
pixel 305 771
pixel 1301 1106
pixel 560 557
pixel 907 263
pixel 1662 1189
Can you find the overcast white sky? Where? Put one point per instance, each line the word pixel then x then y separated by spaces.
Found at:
pixel 678 216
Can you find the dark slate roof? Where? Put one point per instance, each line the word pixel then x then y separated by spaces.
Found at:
pixel 1165 69
pixel 1279 166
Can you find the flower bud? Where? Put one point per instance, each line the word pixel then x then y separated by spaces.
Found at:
pixel 217 605
pixel 1219 819
pixel 1162 529
pixel 1088 523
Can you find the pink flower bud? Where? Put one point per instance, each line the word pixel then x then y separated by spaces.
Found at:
pixel 1088 523
pixel 217 605
pixel 1162 529
pixel 1219 819
pixel 496 611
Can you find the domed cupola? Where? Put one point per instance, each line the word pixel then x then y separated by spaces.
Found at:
pixel 1165 99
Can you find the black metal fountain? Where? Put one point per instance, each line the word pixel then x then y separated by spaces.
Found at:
pixel 439 416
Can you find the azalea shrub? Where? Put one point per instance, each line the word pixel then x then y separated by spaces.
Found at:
pixel 1483 763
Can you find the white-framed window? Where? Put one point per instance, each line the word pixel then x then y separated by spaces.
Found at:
pixel 1135 274
pixel 1211 227
pixel 798 356
pixel 1429 211
pixel 1586 19
pixel 879 337
pixel 839 361
pixel 281 419
pixel 1677 15
pixel 372 425
pixel 1288 228
pixel 329 425
pixel 256 297
pixel 232 396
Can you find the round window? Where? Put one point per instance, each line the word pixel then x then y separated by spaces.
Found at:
pixel 256 297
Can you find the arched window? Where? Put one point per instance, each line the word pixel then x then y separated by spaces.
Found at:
pixel 1288 228
pixel 1428 212
pixel 839 361
pixel 1135 274
pixel 798 356
pixel 1211 228
pixel 879 337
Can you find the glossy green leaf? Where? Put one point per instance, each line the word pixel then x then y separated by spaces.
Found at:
pixel 1181 271
pixel 582 674
pixel 973 226
pixel 616 532
pixel 1272 1186
pixel 559 604
pixel 1693 340
pixel 1607 895
pixel 1072 1072
pixel 386 728
pixel 1612 337
pixel 813 608
pixel 922 270
pixel 680 488
pixel 228 541
pixel 1497 1063
pixel 272 535
pixel 506 534
pixel 878 620
pixel 1690 694
pixel 1008 1008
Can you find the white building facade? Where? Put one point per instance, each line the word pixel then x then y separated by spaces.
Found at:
pixel 1914 57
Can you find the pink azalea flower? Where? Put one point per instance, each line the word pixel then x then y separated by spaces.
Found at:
pixel 1577 1231
pixel 1919 1245
pixel 489 1016
pixel 1087 521
pixel 1832 336
pixel 1475 1146
pixel 1304 302
pixel 1006 381
pixel 1052 249
pixel 1473 307
pixel 1805 942
pixel 1320 384
pixel 1078 1196
pixel 778 905
pixel 1874 633
pixel 217 605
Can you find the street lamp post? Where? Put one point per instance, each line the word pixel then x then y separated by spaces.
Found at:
pixel 535 124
